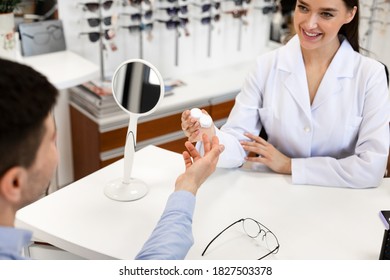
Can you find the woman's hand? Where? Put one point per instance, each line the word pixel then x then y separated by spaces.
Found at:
pixel 268 154
pixel 191 127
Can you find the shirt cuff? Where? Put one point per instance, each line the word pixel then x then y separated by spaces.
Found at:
pixel 181 200
pixel 298 174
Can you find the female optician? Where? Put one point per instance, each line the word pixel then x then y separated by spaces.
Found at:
pixel 324 106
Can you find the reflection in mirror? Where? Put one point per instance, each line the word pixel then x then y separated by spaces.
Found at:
pixel 136 87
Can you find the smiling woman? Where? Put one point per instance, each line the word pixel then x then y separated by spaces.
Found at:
pixel 324 106
pixel 318 24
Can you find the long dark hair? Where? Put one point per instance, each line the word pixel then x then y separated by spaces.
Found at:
pixel 351 30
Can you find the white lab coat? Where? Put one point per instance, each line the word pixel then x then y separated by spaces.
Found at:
pixel 342 139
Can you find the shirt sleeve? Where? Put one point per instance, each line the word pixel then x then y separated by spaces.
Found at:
pixel 172 237
pixel 12 242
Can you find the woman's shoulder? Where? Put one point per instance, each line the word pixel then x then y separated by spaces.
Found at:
pixel 369 64
pixel 366 58
pixel 358 62
pixel 362 58
pixel 368 68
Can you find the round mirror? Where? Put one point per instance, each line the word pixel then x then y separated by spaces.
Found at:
pixel 137 87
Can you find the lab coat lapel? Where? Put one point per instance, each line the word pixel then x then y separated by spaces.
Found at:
pixel 291 62
pixel 331 83
pixel 329 86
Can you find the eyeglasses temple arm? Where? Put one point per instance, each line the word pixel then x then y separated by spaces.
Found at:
pixel 28 35
pixel 266 255
pixel 219 234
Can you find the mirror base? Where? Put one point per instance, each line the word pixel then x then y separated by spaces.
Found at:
pixel 120 191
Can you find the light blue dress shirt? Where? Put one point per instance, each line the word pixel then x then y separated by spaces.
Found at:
pixel 12 242
pixel 170 240
pixel 172 237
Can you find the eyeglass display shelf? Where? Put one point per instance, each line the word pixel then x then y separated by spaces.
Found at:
pixel 64 69
pixel 310 222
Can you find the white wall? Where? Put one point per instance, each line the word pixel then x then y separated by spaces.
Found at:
pixel 160 50
pixel 375 28
pixel 193 50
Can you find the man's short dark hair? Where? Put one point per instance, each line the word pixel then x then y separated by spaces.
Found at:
pixel 26 99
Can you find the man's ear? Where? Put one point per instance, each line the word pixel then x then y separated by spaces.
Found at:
pixel 12 183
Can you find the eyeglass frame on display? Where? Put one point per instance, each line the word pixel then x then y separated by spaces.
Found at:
pixel 269 9
pixel 237 13
pixel 94 22
pixel 241 2
pixel 174 11
pixel 47 33
pixel 207 20
pixel 273 251
pixel 138 2
pixel 177 22
pixel 139 27
pixel 138 16
pixel 106 35
pixel 207 7
pixel 94 6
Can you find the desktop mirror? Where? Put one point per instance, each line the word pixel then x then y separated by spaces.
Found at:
pixel 138 88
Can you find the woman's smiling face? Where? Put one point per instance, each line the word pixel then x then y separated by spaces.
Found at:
pixel 317 22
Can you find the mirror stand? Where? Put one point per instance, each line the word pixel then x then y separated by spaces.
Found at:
pixel 138 88
pixel 127 188
pixel 121 191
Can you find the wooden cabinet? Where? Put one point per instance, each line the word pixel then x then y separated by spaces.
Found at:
pixel 93 149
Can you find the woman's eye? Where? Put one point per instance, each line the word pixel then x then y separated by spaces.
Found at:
pixel 302 8
pixel 326 15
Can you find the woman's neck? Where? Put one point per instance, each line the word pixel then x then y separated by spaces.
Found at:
pixel 320 57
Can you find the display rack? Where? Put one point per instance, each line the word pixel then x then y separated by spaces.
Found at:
pixel 374 7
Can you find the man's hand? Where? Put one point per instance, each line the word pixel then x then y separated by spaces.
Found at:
pixel 199 168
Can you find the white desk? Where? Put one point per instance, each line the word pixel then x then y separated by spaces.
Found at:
pixel 311 222
pixel 63 69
